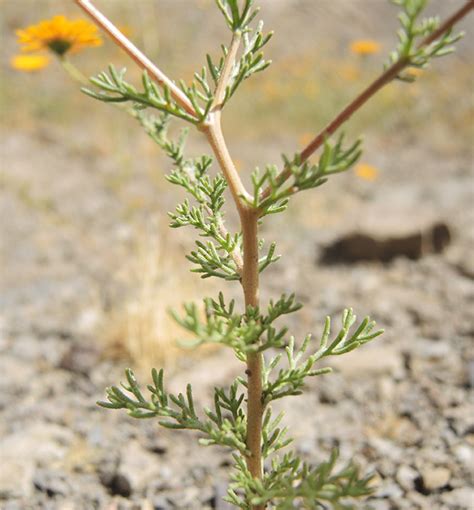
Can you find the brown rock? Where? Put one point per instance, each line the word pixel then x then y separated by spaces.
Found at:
pixel 434 478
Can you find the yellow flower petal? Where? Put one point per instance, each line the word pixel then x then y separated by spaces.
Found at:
pixel 59 35
pixel 29 63
pixel 366 172
pixel 365 47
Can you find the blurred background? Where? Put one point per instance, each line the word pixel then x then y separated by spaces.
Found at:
pixel 89 266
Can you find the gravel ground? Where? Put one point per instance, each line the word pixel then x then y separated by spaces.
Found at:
pixel 402 406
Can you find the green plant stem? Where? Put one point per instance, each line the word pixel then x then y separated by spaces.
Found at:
pixel 73 71
pixel 385 78
pixel 248 264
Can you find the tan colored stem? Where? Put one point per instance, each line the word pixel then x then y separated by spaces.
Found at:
pixel 141 60
pixel 389 75
pixel 215 137
pixel 250 284
pixel 226 71
pixel 250 277
pixel 249 272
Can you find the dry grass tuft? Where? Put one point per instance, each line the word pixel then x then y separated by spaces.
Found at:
pixel 140 329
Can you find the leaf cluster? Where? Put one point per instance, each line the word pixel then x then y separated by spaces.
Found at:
pixel 290 380
pixel 291 481
pixel 114 89
pixel 412 31
pixel 221 253
pixel 217 256
pixel 250 61
pixel 335 158
pixel 237 17
pixel 253 331
pixel 225 424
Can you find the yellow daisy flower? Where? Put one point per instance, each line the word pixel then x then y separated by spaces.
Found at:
pixel 366 172
pixel 365 47
pixel 29 63
pixel 59 35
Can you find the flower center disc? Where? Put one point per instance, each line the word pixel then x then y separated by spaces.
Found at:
pixel 59 46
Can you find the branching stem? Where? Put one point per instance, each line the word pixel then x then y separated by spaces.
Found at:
pixel 213 131
pixel 227 71
pixel 386 77
pixel 250 272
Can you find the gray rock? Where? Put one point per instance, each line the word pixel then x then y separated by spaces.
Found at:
pixel 188 497
pixel 160 503
pixel 381 504
pixel 52 483
pixel 370 360
pixel 80 359
pixel 389 490
pixel 69 504
pixel 470 373
pixel 141 466
pixel 107 466
pixel 387 449
pixel 417 500
pixel 218 500
pixel 459 499
pixel 13 505
pixel 15 481
pixel 155 444
pixel 406 477
pixel 22 450
pixel 464 454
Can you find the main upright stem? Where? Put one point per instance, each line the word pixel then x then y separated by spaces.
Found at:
pixel 250 277
pixel 250 284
